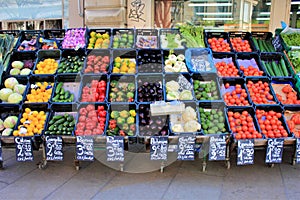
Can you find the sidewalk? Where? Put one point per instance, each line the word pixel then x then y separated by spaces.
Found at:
pixel 180 180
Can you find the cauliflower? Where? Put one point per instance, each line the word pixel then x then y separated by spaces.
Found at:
pixel 172 86
pixel 173 95
pixel 192 126
pixel 189 114
pixel 177 128
pixel 169 68
pixel 186 95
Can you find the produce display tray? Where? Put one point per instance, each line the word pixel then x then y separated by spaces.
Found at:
pixel 243 36
pixel 250 59
pixel 217 35
pixel 171 39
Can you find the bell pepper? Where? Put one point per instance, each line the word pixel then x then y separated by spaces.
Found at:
pixel 296 118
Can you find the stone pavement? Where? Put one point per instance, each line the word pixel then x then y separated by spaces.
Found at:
pixel 180 180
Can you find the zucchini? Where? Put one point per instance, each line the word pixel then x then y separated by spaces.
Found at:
pixel 70 118
pixel 62 91
pixel 283 67
pixel 67 95
pixel 55 98
pixel 59 87
pixel 60 121
pixel 72 123
pixel 57 117
pixel 60 127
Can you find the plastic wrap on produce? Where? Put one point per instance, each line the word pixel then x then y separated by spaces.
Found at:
pixel 199 60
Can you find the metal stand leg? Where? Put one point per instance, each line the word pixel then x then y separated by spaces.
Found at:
pixel 121 167
pixel 204 161
pixel 162 166
pixel 227 162
pixel 294 158
pixel 43 163
pixel 77 164
pixel 1 165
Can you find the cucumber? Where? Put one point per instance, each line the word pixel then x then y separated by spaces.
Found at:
pixel 60 70
pixel 269 44
pixel 51 121
pixel 283 67
pixel 58 87
pixel 62 91
pixel 57 117
pixel 255 43
pixel 261 47
pixel 55 98
pixel 60 127
pixel 268 68
pixel 66 123
pixel 71 98
pixel 69 133
pixel 70 129
pixel 51 128
pixel 72 123
pixel 47 132
pixel 60 121
pixel 276 69
pixel 67 95
pixel 52 133
pixel 70 118
pixel 61 97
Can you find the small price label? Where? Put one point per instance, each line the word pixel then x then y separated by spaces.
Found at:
pixel 115 148
pixel 245 152
pixel 298 150
pixel 54 147
pixel 274 150
pixel 186 145
pixel 84 148
pixel 159 148
pixel 217 147
pixel 23 149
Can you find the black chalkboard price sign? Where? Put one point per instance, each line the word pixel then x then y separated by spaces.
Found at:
pixel 274 150
pixel 115 148
pixel 245 152
pixel 186 146
pixel 84 148
pixel 217 147
pixel 54 148
pixel 158 148
pixel 298 150
pixel 23 149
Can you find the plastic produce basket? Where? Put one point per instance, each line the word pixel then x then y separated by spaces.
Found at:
pixel 28 59
pixel 8 111
pixel 125 118
pixel 97 61
pixel 201 82
pixel 149 61
pixel 71 62
pixel 174 65
pixel 124 61
pixel 213 118
pixel 69 90
pixel 182 123
pixel 122 88
pixel 123 38
pixel 32 37
pixel 227 58
pixel 244 36
pixel 250 59
pixel 171 39
pixel 42 55
pixel 150 88
pixel 263 41
pixel 279 59
pixel 229 86
pixel 75 38
pixel 55 34
pixel 236 128
pixel 95 39
pixel 199 60
pixel 178 87
pixel 223 35
pixel 272 101
pixel 21 80
pixel 278 85
pixel 277 109
pixel 67 125
pixel 146 38
pixel 149 125
pixel 87 111
pixel 87 82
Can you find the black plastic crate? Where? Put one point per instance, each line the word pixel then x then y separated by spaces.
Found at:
pixel 97 61
pixel 263 41
pixel 268 58
pixel 224 35
pixel 174 65
pixel 66 125
pixel 15 33
pixel 213 118
pixel 97 34
pixel 270 101
pixel 262 121
pixel 245 60
pixel 69 90
pixel 86 112
pixel 125 120
pixel 149 61
pixel 122 88
pixel 55 34
pixel 150 88
pixel 239 94
pixel 42 55
pixel 199 60
pixel 87 82
pixel 199 87
pixel 123 38
pixel 244 36
pixel 23 57
pixel 71 62
pixel 184 120
pixel 124 61
pixel 227 58
pixel 177 86
pixel 149 125
pixel 278 84
pixel 31 97
pixel 171 39
pixel 21 80
pixel 235 126
pixel 31 36
pixel 9 111
pixel 146 38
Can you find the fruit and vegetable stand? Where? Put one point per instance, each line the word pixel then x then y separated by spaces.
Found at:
pixel 179 90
